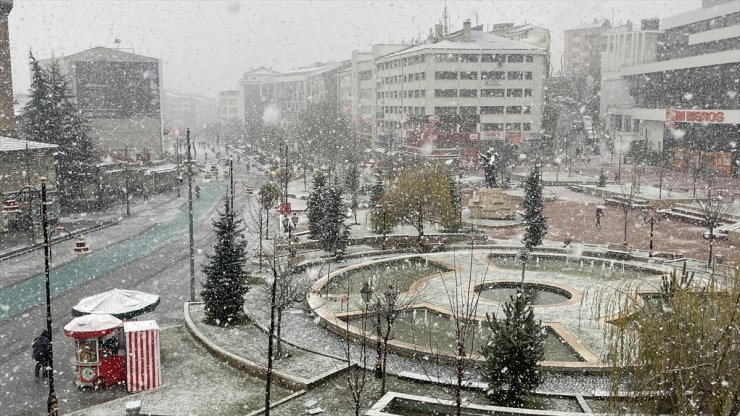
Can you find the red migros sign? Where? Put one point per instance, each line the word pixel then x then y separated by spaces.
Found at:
pixel 673 116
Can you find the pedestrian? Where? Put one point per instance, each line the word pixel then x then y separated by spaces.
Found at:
pixel 197 191
pixel 41 352
pixel 599 214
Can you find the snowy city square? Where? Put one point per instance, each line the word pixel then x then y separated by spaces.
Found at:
pixel 369 208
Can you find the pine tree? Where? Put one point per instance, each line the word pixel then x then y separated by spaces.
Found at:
pixel 51 116
pixel 514 348
pixel 534 216
pixel 534 210
pixel 315 205
pixel 376 193
pixel 334 233
pixel 223 292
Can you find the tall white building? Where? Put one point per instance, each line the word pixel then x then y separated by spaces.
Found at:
pixel 683 97
pixel 443 99
pixel 230 106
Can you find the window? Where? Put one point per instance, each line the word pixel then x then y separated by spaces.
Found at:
pixel 496 92
pixel 445 111
pixel 446 57
pixel 468 75
pixel 468 110
pixel 527 92
pixel 467 57
pixel 514 109
pixel 468 93
pixel 514 75
pixel 491 126
pixel 529 58
pixel 423 93
pixel 445 93
pixel 514 92
pixel 87 350
pixel 527 75
pixel 516 58
pixel 527 109
pixel 423 75
pixel 498 109
pixel 526 126
pixel 513 126
pixel 492 75
pixel 445 75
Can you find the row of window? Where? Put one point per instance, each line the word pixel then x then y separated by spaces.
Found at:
pixel 508 126
pixel 463 93
pixel 457 57
pixel 496 109
pixel 404 94
pixel 484 75
pixel 417 76
pixel 493 92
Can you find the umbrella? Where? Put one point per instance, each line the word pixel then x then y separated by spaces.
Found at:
pixel 123 304
pixel 91 326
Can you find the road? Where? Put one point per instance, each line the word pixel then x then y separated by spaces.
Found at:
pixel 155 261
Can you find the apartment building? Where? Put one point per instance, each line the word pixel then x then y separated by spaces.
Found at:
pixel 119 93
pixel 230 106
pixel 257 93
pixel 684 100
pixel 447 98
pixel 296 90
pixel 582 47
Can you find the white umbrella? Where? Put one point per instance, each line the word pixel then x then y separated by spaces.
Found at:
pixel 123 304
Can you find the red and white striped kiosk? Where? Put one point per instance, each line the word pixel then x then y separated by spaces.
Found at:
pixel 142 355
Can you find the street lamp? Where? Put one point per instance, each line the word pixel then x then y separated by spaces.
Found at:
pixel 651 219
pixel 51 403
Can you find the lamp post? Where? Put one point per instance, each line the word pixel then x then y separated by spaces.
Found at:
pixel 51 403
pixel 651 219
pixel 391 296
pixel 125 182
pixel 190 219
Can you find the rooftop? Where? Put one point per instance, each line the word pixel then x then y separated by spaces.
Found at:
pixel 597 23
pixel 100 53
pixel 8 144
pixel 480 41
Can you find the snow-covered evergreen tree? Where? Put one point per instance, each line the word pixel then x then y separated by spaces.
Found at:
pixel 376 193
pixel 534 210
pixel 223 292
pixel 50 116
pixel 334 233
pixel 514 348
pixel 315 204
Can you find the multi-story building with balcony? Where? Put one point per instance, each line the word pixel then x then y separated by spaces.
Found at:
pixel 442 99
pixel 296 90
pixel 257 93
pixel 683 96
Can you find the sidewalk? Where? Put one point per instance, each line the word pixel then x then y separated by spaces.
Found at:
pixel 143 217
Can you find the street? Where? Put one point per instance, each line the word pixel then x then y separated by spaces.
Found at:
pixel 155 261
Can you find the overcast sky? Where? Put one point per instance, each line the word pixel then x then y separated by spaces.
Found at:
pixel 205 46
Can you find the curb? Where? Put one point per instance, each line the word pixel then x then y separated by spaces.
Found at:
pixel 23 250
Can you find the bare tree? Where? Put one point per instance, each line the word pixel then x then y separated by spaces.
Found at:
pixel 464 308
pixel 714 213
pixel 356 374
pixel 257 225
pixel 626 202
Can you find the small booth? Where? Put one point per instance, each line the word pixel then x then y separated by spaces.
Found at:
pixel 110 351
pixel 142 355
pixel 98 354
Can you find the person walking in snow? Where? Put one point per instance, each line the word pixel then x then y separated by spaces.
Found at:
pixel 599 214
pixel 41 352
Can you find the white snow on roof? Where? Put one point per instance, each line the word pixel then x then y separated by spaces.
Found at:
pixel 479 41
pixel 8 144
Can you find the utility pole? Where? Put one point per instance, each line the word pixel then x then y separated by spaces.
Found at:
pixel 125 181
pixel 190 220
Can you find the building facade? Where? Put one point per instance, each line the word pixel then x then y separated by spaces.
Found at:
pixel 258 92
pixel 7 116
pixel 230 106
pixel 684 102
pixel 298 89
pixel 120 94
pixel 582 47
pixel 446 99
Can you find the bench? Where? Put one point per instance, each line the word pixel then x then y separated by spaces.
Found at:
pixel 619 251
